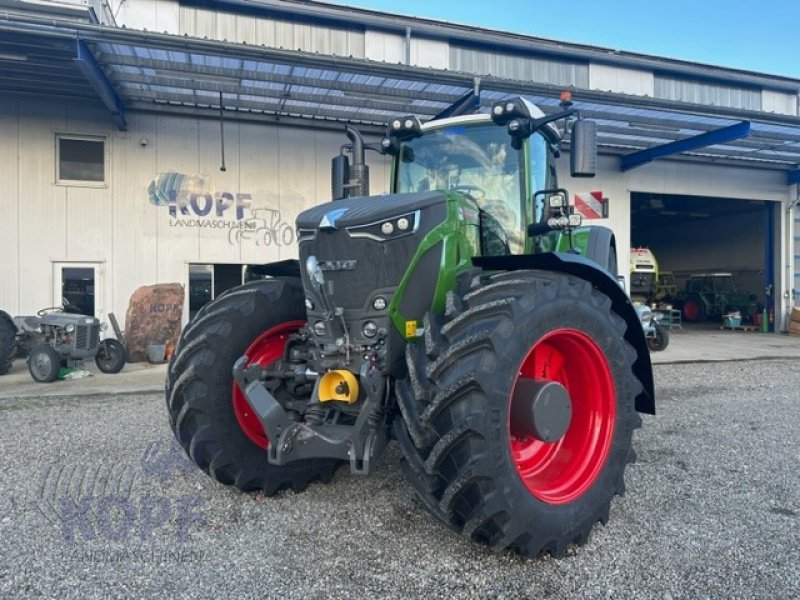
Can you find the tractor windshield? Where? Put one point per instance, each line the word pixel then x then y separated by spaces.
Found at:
pixel 474 159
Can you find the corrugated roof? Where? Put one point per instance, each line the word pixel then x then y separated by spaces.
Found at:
pixel 171 73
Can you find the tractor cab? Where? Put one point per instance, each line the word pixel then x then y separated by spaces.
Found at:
pixel 503 161
pixel 475 158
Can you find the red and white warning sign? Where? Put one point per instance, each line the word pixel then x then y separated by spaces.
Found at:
pixel 591 205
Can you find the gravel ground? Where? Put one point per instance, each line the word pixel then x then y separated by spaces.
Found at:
pixel 712 510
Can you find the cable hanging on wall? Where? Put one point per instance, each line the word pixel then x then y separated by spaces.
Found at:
pixel 221 135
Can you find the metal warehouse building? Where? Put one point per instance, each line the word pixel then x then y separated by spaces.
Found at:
pixel 104 104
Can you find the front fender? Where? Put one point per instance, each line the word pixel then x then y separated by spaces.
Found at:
pixel 588 270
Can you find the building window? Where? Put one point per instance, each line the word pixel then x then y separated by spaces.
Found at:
pixel 81 159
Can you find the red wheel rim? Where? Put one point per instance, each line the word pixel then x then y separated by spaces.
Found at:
pixel 265 349
pixel 561 471
pixel 691 310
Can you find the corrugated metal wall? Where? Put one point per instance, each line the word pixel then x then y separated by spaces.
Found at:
pixel 362 42
pixel 712 94
pixel 275 171
pixel 275 33
pixel 518 66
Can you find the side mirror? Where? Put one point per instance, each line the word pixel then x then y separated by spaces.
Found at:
pixel 340 175
pixel 583 149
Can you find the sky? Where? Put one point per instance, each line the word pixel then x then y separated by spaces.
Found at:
pixel 761 36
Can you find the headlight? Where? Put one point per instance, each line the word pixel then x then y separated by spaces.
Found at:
pixel 370 329
pixel 319 328
pixel 69 327
pixel 387 229
pixel 379 303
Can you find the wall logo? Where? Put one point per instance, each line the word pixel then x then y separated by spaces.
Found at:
pixel 193 202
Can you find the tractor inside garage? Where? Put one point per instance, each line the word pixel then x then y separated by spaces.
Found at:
pixel 714 256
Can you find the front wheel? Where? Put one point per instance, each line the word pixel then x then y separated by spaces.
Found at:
pixel 110 357
pixel 208 413
pixel 44 363
pixel 525 401
pixel 660 340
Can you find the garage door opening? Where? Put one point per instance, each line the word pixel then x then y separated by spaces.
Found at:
pixel 704 246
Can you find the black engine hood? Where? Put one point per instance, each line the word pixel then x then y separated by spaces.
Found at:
pixel 366 209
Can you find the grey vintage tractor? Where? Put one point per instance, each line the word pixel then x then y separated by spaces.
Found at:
pixel 57 339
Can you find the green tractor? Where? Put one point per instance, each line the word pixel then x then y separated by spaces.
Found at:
pixel 467 316
pixel 713 295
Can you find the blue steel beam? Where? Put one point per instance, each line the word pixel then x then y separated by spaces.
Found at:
pixel 793 176
pixel 98 80
pixel 709 138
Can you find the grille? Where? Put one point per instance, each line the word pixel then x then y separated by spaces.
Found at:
pixel 379 264
pixel 86 337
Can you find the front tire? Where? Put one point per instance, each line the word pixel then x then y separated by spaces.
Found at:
pixel 44 363
pixel 207 413
pixel 469 461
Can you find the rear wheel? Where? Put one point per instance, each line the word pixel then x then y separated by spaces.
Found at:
pixel 660 341
pixel 486 460
pixel 693 310
pixel 110 357
pixel 44 363
pixel 8 344
pixel 209 416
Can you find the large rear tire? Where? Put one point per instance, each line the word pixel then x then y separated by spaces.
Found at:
pixel 469 460
pixel 694 310
pixel 208 414
pixel 8 342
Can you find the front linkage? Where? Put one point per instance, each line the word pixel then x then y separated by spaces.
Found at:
pixel 291 439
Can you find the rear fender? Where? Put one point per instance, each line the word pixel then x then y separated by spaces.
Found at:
pixel 588 270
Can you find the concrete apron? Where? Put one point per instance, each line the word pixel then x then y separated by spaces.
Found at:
pixel 691 344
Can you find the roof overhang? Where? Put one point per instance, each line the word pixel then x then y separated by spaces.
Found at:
pixel 149 71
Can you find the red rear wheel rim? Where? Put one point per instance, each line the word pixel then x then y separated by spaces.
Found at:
pixel 266 348
pixel 561 471
pixel 690 310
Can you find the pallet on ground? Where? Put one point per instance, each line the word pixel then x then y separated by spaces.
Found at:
pixel 740 328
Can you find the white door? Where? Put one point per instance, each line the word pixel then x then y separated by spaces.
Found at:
pixel 79 285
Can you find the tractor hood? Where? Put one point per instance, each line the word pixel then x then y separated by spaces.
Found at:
pixel 364 210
